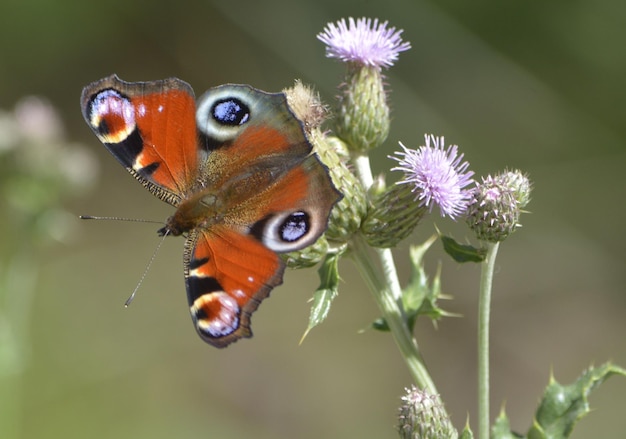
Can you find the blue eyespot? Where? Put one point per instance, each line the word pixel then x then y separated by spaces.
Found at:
pixel 230 111
pixel 294 227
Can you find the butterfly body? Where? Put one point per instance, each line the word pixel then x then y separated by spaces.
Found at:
pixel 239 170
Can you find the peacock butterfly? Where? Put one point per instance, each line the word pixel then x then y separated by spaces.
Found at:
pixel 239 170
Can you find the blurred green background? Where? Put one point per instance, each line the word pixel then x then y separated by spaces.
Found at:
pixel 536 85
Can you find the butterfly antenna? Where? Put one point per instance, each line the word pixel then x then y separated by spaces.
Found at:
pixel 145 272
pixel 117 218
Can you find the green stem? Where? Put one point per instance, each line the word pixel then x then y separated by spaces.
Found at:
pixel 363 169
pixel 387 292
pixel 391 275
pixel 484 307
pixel 393 314
pixel 364 172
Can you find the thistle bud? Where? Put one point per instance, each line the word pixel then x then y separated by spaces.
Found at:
pixel 422 416
pixel 494 209
pixel 306 105
pixel 519 184
pixel 346 216
pixel 393 215
pixel 363 116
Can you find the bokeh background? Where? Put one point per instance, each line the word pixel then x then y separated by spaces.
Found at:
pixel 536 85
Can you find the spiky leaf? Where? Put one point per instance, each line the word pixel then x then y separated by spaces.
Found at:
pixel 562 406
pixel 466 433
pixel 420 296
pixel 325 293
pixel 502 429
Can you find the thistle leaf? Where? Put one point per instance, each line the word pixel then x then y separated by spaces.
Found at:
pixel 562 406
pixel 420 296
pixel 325 293
pixel 466 433
pixel 462 252
pixel 502 429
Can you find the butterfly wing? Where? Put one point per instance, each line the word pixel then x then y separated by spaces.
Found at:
pixel 274 197
pixel 227 275
pixel 150 129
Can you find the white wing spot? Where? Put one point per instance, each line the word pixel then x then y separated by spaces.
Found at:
pixel 239 293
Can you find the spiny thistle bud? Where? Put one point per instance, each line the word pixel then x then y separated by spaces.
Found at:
pixel 346 216
pixel 392 216
pixel 494 210
pixel 306 105
pixel 366 46
pixel 519 184
pixel 422 416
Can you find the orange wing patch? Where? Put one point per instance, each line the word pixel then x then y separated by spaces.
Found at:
pixel 228 275
pixel 168 129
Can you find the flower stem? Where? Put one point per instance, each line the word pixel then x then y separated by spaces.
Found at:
pixel 387 292
pixel 484 306
pixel 364 172
pixel 393 314
pixel 391 275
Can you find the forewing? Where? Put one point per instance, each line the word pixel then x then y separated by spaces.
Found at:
pixel 150 129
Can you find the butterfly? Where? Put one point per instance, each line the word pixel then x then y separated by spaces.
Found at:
pixel 238 168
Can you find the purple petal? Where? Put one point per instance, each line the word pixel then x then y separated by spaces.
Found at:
pixel 363 41
pixel 439 176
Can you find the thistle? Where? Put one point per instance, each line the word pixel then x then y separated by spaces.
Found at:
pixel 392 216
pixel 366 46
pixel 422 416
pixel 494 210
pixel 348 213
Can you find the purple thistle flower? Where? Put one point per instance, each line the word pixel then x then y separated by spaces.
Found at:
pixel 439 176
pixel 363 42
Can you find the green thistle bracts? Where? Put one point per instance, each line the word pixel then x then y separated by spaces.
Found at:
pixel 519 184
pixel 494 211
pixel 348 213
pixel 422 416
pixel 308 256
pixel 493 219
pixel 363 115
pixel 393 215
